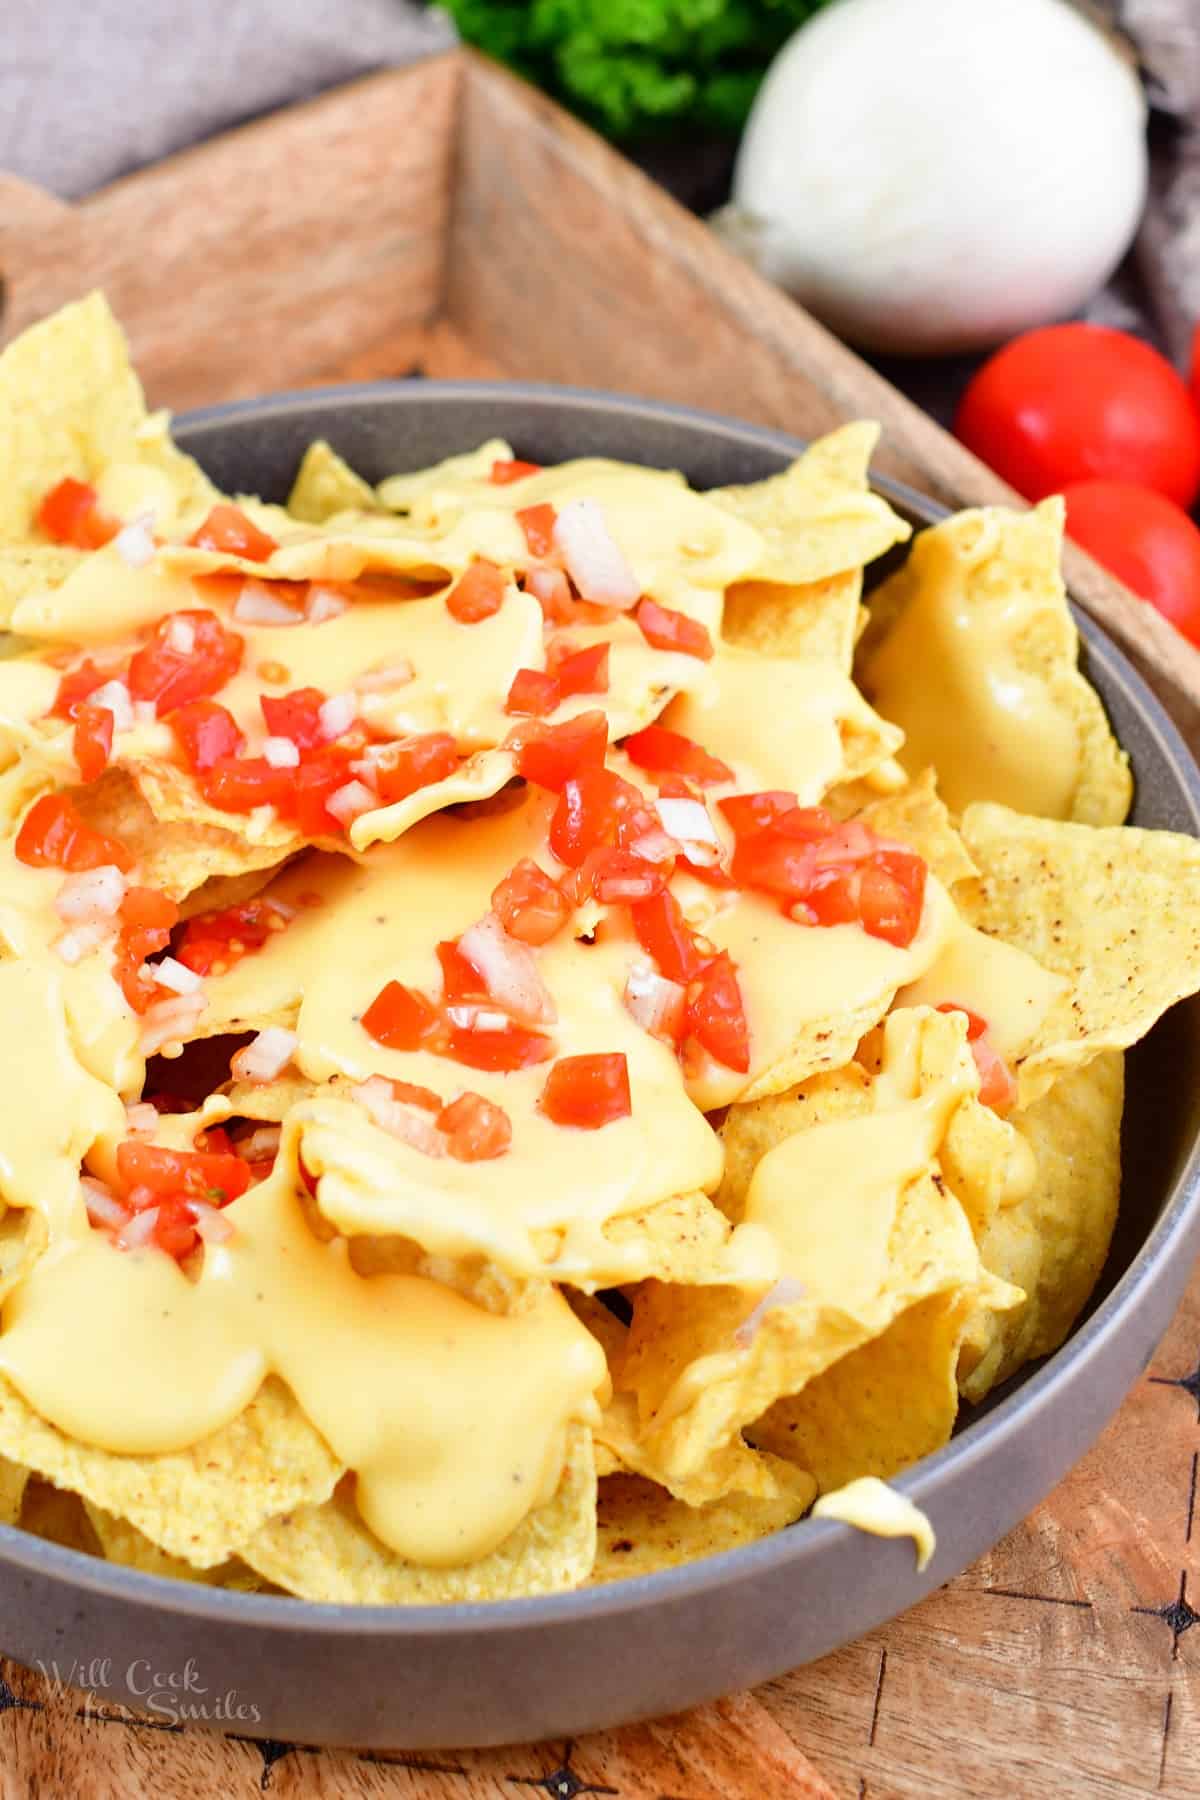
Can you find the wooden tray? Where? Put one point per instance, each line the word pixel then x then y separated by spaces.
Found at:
pixel 448 219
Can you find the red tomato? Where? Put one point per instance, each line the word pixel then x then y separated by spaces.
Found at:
pixel 240 784
pixel 461 980
pixel 884 895
pixel 589 813
pixel 476 1130
pixel 53 836
pixel 655 748
pixel 206 731
pixel 477 594
pixel 500 1051
pixel 503 472
pixel 579 671
pixel 228 529
pixel 664 934
pixel 1146 541
pixel 75 687
pixel 529 905
pixel 145 910
pixel 619 878
pixel 537 522
pixel 414 763
pixel 1071 403
pixel 70 513
pixel 551 754
pixel 296 716
pixel 748 813
pixel 412 1095
pixel 588 1091
pixel 716 1015
pixel 533 693
pixel 172 677
pixel 320 774
pixel 665 629
pixel 185 1174
pixel 147 918
pixel 92 740
pixel 997 1085
pixel 399 1017
pixel 217 940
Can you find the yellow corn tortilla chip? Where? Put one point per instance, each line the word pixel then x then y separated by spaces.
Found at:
pixel 1054 1240
pixel 120 1542
pixel 325 1552
pixel 1049 751
pixel 200 1503
pixel 818 517
pixel 30 569
pixel 640 1528
pixel 1116 911
pixel 58 1516
pixel 325 485
pixel 13 1479
pixel 815 619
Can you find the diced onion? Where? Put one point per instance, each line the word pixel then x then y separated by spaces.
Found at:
pixel 134 543
pixel 595 561
pixel 468 1015
pixel 655 847
pixel 336 715
pixel 346 803
pixel 139 1230
pixel 786 1291
pixel 412 1126
pixel 180 636
pixel 261 1145
pixel 114 697
pixel 387 675
pixel 169 1021
pixel 281 753
pixel 323 604
pixel 266 1056
pixel 688 820
pixel 91 895
pixel 81 940
pixel 509 971
pixel 655 1003
pixel 211 1223
pixel 141 1119
pixel 103 1207
pixel 175 975
pixel 257 605
pixel 262 818
pixel 145 712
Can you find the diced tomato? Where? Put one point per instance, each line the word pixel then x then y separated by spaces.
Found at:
pixel 206 732
pixel 884 895
pixel 533 692
pixel 976 1026
pixel 399 1017
pixel 413 763
pixel 551 754
pixel 412 1095
pixel 997 1085
pixel 504 471
pixel 217 940
pixel 321 773
pixel 619 878
pixel 476 1130
pixel 748 813
pixel 241 784
pixel 171 678
pixel 477 594
pixel 146 909
pixel 537 522
pixel 665 629
pixel 716 1015
pixel 664 934
pixel 588 1091
pixel 92 740
pixel 228 529
pixel 53 836
pixel 589 812
pixel 175 1228
pixel 775 864
pixel 184 1174
pixel 296 716
pixel 71 514
pixel 655 748
pixel 461 980
pixel 76 686
pixel 579 671
pixel 529 905
pixel 501 1051
pixel 147 918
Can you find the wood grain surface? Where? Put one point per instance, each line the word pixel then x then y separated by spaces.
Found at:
pixel 446 220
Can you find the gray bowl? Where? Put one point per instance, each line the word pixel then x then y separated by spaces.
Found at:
pixel 426 1676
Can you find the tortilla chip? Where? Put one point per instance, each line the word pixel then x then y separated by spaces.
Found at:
pixel 30 569
pixel 1114 910
pixel 1003 569
pixel 58 1516
pixel 13 1479
pixel 815 619
pixel 120 1542
pixel 325 485
pixel 818 518
pixel 326 1552
pixel 200 1503
pixel 1074 1132
pixel 751 1128
pixel 641 1529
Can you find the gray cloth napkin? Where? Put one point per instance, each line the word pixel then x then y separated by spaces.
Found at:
pixel 91 89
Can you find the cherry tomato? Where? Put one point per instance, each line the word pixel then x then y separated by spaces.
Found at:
pixel 588 1091
pixel 655 748
pixel 71 514
pixel 476 1130
pixel 533 693
pixel 477 594
pixel 53 836
pixel 1070 403
pixel 92 741
pixel 206 731
pixel 538 522
pixel 172 677
pixel 579 671
pixel 228 529
pixel 414 763
pixel 399 1017
pixel 665 629
pixel 529 905
pixel 551 754
pixel 1146 541
pixel 505 471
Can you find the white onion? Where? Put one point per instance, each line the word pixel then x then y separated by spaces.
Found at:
pixel 175 976
pixel 81 940
pixel 281 753
pixel 386 676
pixel 324 604
pixel 336 716
pixel 654 1003
pixel 261 818
pixel 91 895
pixel 655 847
pixel 346 803
pixel 367 770
pixel 413 1126
pixel 509 971
pixel 180 636
pixel 114 697
pixel 265 1056
pixel 688 820
pixel 134 543
pixel 169 1021
pixel 468 1015
pixel 145 712
pixel 786 1291
pixel 139 1230
pixel 141 1119
pixel 594 559
pixel 257 605
pixel 887 179
pixel 211 1222
pixel 103 1207
pixel 262 1144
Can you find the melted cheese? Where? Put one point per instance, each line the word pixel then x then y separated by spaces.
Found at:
pixel 871 1505
pixel 1000 982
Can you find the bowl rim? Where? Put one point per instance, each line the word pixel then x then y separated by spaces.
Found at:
pixel 976 1441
